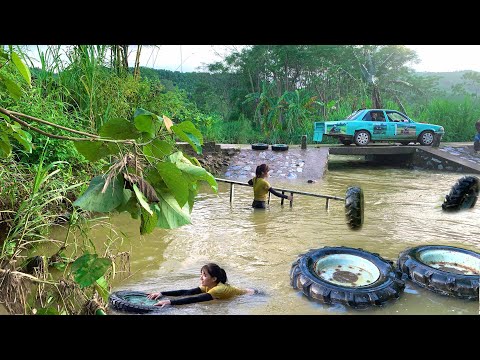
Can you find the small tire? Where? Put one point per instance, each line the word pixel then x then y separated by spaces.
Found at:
pixel 279 147
pixel 259 146
pixel 362 138
pixel 426 138
pixel 463 194
pixel 323 275
pixel 132 302
pixel 354 205
pixel 445 270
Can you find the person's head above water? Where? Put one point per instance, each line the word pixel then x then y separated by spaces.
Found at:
pixel 262 170
pixel 212 274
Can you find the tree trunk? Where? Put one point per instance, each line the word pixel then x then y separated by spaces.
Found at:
pixel 136 69
pixel 376 102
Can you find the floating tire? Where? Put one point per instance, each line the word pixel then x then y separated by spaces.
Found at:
pixel 279 147
pixel 446 270
pixel 462 195
pixel 259 146
pixel 348 276
pixel 133 302
pixel 354 205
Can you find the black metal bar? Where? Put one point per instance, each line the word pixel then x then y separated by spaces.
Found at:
pixel 285 190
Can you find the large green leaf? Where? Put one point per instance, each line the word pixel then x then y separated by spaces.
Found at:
pixel 170 215
pixel 23 137
pixel 94 200
pixel 22 68
pixel 142 199
pixel 95 150
pixel 14 90
pixel 101 285
pixel 186 131
pixel 118 129
pixel 197 172
pixel 147 122
pixel 88 268
pixel 174 180
pixel 148 222
pixel 5 146
pixel 158 149
pixel 131 205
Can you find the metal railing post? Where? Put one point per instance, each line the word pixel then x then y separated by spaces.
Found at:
pixel 232 193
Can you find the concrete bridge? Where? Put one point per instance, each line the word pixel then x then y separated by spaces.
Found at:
pixel 310 163
pixel 457 157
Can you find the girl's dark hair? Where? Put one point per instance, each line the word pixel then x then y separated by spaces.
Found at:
pixel 215 271
pixel 261 169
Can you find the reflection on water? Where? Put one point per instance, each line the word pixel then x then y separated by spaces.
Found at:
pixel 257 248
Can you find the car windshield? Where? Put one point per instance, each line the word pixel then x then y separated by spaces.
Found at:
pixel 354 115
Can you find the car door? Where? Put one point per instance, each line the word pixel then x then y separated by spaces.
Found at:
pixel 404 128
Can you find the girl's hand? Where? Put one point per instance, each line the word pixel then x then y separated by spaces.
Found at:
pixel 162 303
pixel 154 296
pixel 290 197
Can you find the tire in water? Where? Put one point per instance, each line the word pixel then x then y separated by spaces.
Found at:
pixel 132 302
pixel 463 194
pixel 446 270
pixel 347 276
pixel 354 205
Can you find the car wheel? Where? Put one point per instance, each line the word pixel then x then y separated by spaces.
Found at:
pixel 132 302
pixel 348 276
pixel 361 138
pixel 446 270
pixel 426 138
pixel 354 207
pixel 259 146
pixel 463 194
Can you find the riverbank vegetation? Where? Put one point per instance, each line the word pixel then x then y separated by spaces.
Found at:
pixel 83 133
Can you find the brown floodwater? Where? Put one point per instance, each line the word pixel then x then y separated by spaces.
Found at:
pixel 257 248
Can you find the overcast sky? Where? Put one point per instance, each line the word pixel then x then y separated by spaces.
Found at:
pixel 188 58
pixel 434 58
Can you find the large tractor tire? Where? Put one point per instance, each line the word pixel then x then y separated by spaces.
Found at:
pixel 446 270
pixel 132 302
pixel 354 205
pixel 348 276
pixel 462 195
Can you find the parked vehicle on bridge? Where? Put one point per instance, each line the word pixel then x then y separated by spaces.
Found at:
pixel 372 125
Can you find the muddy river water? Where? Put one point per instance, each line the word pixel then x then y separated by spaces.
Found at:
pixel 257 248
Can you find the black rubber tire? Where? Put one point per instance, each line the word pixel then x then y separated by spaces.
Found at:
pixel 463 194
pixel 259 146
pixel 118 301
pixel 439 281
pixel 388 286
pixel 356 137
pixel 354 205
pixel 279 147
pixel 422 141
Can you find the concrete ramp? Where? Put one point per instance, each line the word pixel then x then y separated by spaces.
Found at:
pixel 451 159
pixel 293 164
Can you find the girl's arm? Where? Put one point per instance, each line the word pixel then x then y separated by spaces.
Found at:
pixel 272 190
pixel 194 291
pixel 186 300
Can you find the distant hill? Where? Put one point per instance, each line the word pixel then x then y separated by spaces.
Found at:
pixel 448 79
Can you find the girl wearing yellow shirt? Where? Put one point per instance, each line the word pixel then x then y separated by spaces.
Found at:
pixel 213 285
pixel 261 187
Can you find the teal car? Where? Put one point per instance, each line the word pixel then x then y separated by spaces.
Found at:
pixel 372 125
